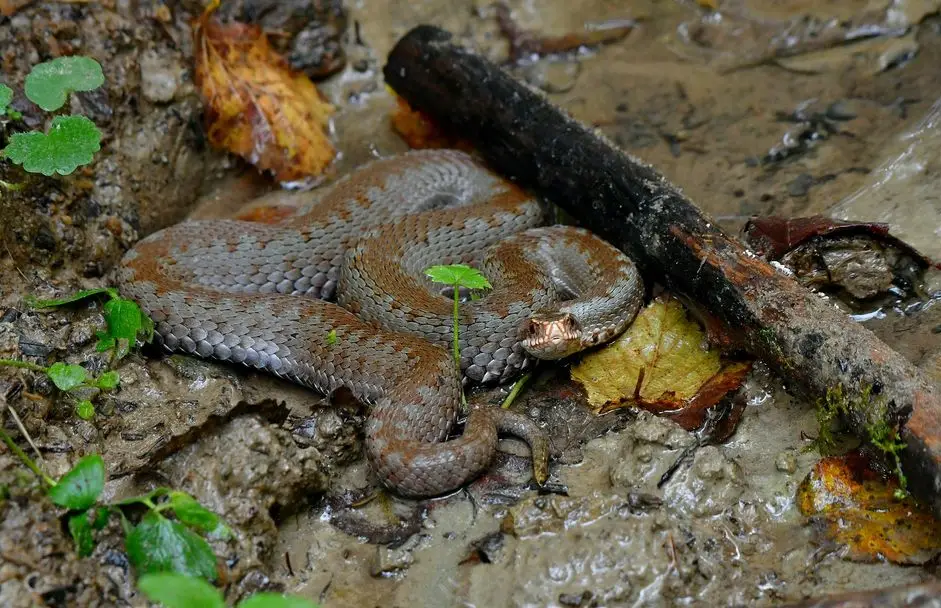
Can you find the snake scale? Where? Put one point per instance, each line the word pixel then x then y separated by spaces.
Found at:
pixel 235 291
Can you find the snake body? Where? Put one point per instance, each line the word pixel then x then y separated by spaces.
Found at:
pixel 235 291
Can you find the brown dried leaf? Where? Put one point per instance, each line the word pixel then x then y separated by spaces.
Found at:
pixel 256 106
pixel 854 506
pixel 662 363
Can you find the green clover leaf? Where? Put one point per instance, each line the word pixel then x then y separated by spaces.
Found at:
pixel 458 275
pixel 65 376
pixel 48 84
pixel 71 142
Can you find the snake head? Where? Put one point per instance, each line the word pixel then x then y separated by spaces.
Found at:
pixel 551 335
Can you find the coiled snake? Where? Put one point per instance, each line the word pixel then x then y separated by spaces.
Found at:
pixel 233 290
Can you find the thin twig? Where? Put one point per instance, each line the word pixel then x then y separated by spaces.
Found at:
pixel 25 433
pixel 26 459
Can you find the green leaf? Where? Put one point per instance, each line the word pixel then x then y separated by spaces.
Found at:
pixel 71 142
pixel 190 512
pixel 81 531
pixel 6 96
pixel 34 302
pixel 66 377
pixel 331 337
pixel 85 409
pixel 108 381
pixel 102 514
pixel 178 591
pixel 80 487
pixel 124 319
pixel 266 599
pixel 48 84
pixel 158 544
pixel 458 275
pixel 105 341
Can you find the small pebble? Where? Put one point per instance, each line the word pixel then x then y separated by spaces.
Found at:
pixel 841 110
pixel 391 560
pixel 786 462
pixel 801 185
pixel 160 77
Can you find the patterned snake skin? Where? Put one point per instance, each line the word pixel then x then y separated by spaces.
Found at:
pixel 230 290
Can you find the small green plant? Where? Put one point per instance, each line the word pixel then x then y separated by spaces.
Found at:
pixel 73 379
pixel 72 140
pixel 178 591
pixel 885 438
pixel 461 276
pixel 156 543
pixel 458 276
pixel 125 324
pixel 6 97
pixel 829 407
pixel 881 434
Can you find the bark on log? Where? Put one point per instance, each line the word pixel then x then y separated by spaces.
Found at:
pixel 802 335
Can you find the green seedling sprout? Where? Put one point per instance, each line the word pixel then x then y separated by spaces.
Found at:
pixel 126 323
pixel 72 140
pixel 171 556
pixel 71 378
pixel 155 544
pixel 458 276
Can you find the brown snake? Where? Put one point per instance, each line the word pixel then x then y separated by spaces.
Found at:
pixel 230 290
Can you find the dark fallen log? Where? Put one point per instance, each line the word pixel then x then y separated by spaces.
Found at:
pixel 802 335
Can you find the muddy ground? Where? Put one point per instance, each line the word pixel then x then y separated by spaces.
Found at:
pixel 762 108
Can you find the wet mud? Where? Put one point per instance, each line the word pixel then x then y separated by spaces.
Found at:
pixel 773 109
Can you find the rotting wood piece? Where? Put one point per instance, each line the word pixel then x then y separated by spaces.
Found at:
pixel 802 335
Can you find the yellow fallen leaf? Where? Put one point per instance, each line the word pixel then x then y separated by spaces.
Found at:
pixel 256 106
pixel 854 506
pixel 663 348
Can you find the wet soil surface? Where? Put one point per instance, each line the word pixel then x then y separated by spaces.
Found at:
pixel 746 124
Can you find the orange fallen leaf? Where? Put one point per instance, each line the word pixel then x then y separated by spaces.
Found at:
pixel 420 132
pixel 256 106
pixel 852 505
